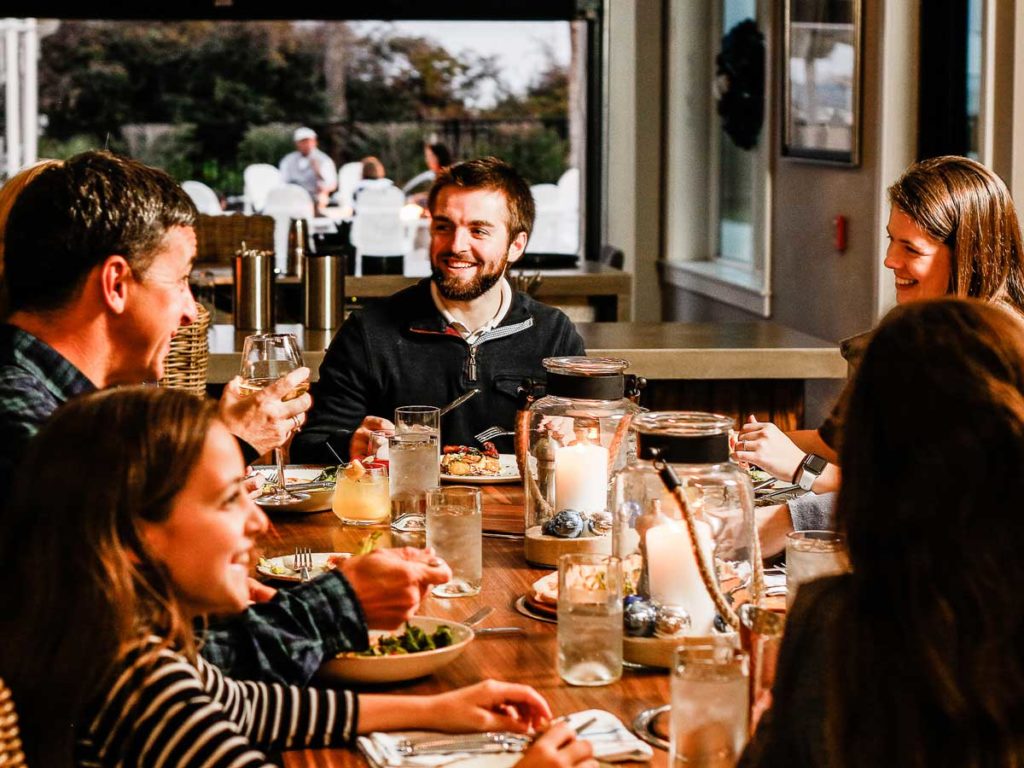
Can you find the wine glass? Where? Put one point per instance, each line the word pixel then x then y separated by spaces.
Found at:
pixel 266 357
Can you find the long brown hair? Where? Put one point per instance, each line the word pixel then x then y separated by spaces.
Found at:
pixel 8 194
pixel 84 586
pixel 928 665
pixel 960 202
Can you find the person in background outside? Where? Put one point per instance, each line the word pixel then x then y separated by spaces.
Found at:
pixel 310 168
pixel 916 657
pixel 150 533
pixel 373 176
pixel 952 230
pixel 437 157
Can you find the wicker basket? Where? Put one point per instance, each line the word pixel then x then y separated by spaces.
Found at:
pixel 11 755
pixel 186 364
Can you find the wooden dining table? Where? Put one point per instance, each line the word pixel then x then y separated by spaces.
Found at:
pixel 529 657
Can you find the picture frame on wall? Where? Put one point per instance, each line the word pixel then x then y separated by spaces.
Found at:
pixel 821 113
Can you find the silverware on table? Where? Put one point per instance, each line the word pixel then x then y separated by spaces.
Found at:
pixel 492 432
pixel 479 616
pixel 500 631
pixel 458 401
pixel 492 741
pixel 302 562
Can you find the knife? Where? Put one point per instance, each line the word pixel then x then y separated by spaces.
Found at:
pixel 458 401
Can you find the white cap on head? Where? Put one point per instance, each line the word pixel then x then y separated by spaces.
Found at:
pixel 303 133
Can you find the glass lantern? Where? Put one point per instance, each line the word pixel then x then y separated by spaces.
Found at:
pixel 576 437
pixel 652 537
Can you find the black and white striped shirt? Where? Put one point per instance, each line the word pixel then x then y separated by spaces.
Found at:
pixel 161 710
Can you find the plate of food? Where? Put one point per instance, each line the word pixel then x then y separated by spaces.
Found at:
pixel 281 568
pixel 420 648
pixel 302 475
pixel 466 464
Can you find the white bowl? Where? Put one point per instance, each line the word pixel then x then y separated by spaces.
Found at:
pixel 405 666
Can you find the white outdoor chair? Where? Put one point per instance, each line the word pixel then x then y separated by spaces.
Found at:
pixel 258 180
pixel 569 215
pixel 284 203
pixel 546 224
pixel 377 228
pixel 206 199
pixel 349 176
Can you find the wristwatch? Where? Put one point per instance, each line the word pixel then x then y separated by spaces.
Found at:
pixel 809 470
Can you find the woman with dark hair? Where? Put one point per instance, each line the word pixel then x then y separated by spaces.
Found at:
pixel 116 550
pixel 916 658
pixel 953 231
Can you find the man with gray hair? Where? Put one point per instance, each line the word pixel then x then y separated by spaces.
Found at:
pixel 310 168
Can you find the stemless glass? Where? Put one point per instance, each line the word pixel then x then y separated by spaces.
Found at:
pixel 414 456
pixel 266 357
pixel 361 497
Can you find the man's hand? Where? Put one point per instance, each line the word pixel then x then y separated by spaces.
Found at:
pixel 390 583
pixel 359 445
pixel 265 419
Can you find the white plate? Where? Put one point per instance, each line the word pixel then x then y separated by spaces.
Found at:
pixel 280 568
pixel 509 473
pixel 392 669
pixel 319 499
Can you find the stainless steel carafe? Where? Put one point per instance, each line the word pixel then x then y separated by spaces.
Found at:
pixel 254 290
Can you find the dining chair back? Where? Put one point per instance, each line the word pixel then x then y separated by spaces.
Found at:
pixel 284 203
pixel 258 179
pixel 377 228
pixel 206 199
pixel 349 176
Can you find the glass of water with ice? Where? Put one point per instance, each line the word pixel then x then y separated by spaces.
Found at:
pixel 455 531
pixel 415 464
pixel 589 619
pixel 811 555
pixel 710 705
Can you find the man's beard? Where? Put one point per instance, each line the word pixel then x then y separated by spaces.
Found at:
pixel 454 289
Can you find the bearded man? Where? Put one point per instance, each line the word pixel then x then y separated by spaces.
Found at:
pixel 463 328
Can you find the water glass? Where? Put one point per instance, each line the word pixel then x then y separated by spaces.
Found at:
pixel 589 619
pixel 418 418
pixel 361 497
pixel 455 531
pixel 710 712
pixel 811 555
pixel 414 469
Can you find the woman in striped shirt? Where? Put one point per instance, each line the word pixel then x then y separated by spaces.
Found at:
pixel 128 522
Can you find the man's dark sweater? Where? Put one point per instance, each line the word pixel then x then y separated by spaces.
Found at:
pixel 401 352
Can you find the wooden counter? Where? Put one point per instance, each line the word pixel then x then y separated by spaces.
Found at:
pixel 608 289
pixel 659 351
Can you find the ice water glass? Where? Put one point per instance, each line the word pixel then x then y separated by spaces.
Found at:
pixel 414 469
pixel 710 712
pixel 455 531
pixel 589 619
pixel 362 499
pixel 811 555
pixel 418 418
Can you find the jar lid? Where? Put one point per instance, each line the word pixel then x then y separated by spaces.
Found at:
pixel 683 437
pixel 586 378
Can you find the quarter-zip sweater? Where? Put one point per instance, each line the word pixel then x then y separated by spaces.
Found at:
pixel 401 352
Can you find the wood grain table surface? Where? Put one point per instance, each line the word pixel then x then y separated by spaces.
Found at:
pixel 528 658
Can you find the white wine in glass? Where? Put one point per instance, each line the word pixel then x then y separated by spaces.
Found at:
pixel 266 357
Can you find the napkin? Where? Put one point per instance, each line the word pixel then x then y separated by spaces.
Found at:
pixel 612 742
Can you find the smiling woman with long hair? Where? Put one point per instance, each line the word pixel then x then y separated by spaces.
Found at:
pixel 128 522
pixel 916 658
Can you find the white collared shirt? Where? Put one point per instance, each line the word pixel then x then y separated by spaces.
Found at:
pixel 473 336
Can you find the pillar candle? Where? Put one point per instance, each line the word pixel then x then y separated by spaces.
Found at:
pixel 672 570
pixel 581 477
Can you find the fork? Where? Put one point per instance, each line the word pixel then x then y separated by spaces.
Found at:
pixel 303 562
pixel 492 432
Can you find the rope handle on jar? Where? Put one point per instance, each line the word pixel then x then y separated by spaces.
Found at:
pixel 675 487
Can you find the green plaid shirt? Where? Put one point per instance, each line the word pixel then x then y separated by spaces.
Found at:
pixel 283 640
pixel 35 380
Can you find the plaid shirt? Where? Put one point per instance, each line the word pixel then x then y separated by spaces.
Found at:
pixel 287 638
pixel 283 640
pixel 35 380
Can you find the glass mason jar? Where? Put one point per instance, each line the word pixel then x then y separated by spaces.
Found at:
pixel 654 541
pixel 577 436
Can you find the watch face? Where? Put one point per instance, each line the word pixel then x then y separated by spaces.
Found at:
pixel 815 464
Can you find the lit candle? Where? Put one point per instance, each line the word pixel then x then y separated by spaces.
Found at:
pixel 673 575
pixel 581 477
